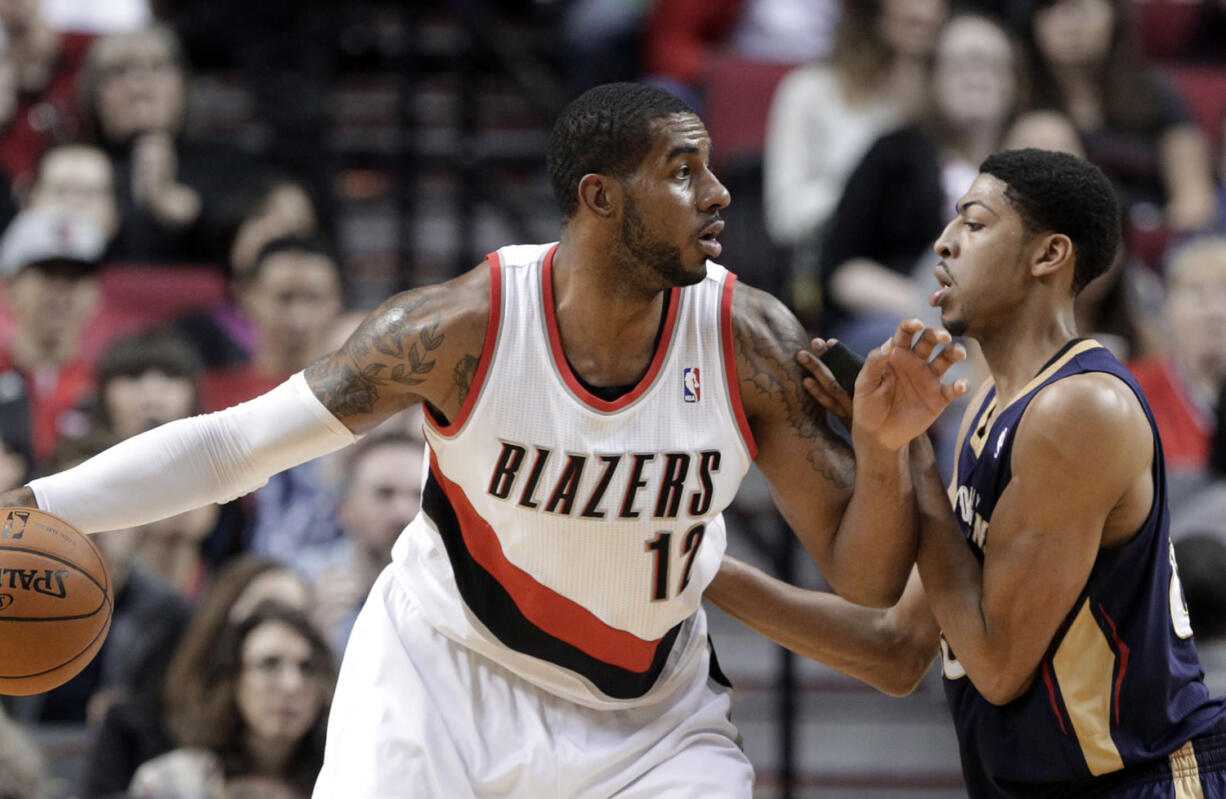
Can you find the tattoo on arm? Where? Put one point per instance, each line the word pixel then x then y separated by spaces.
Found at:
pixel 464 373
pixel 351 382
pixel 766 343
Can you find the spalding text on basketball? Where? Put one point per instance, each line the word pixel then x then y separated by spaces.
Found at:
pixel 43 581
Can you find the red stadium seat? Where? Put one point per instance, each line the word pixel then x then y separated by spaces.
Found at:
pixel 1164 26
pixel 738 97
pixel 137 296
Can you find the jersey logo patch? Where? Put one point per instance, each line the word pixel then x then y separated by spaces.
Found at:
pixel 1000 442
pixel 691 384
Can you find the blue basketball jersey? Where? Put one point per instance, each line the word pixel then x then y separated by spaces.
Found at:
pixel 1120 686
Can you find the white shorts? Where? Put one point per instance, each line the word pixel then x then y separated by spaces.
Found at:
pixel 417 715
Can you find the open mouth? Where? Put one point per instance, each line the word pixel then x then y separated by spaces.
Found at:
pixel 944 282
pixel 708 239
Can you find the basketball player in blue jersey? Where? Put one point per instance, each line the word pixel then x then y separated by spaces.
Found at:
pixel 591 406
pixel 1050 584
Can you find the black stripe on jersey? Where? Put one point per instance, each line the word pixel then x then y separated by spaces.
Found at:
pixel 493 605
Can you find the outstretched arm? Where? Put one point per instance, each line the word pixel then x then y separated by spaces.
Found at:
pixel 420 345
pixel 889 649
pixel 855 515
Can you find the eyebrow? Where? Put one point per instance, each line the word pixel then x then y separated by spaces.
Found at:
pixel 682 148
pixel 962 208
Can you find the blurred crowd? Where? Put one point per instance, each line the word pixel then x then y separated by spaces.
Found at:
pixel 149 274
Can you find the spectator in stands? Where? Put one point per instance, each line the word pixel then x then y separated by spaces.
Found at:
pixel 46 63
pixel 266 684
pixel 1135 125
pixel 144 380
pixel 896 200
pixel 292 295
pixel 49 260
pixel 266 207
pixel 1184 386
pixel 78 179
pixel 146 622
pixel 133 99
pixel 380 494
pixel 824 116
pixel 137 730
pixel 22 774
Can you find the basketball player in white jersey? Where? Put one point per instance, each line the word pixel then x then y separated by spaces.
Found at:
pixel 591 407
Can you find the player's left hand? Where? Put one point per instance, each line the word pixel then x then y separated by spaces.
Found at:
pixel 899 392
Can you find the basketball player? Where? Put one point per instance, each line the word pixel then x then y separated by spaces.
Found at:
pixel 591 408
pixel 1066 649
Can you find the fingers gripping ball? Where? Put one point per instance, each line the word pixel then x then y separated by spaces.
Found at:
pixel 55 601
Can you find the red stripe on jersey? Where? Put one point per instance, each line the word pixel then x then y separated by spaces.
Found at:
pixel 1123 650
pixel 487 354
pixel 557 615
pixel 563 366
pixel 730 378
pixel 1051 696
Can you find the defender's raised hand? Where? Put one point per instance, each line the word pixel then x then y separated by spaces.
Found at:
pixel 899 392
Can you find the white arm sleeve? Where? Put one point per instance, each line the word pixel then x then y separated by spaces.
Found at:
pixel 192 462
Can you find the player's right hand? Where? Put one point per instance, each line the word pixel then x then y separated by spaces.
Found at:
pixel 899 392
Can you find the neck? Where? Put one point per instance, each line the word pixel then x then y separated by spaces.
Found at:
pixel 1016 352
pixel 270 756
pixel 1082 95
pixel 270 362
pixel 906 82
pixel 30 352
pixel 607 319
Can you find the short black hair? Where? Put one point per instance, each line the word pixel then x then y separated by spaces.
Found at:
pixel 151 350
pixel 607 131
pixel 307 245
pixel 1062 193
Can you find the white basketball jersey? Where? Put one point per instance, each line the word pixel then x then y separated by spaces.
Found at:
pixel 567 537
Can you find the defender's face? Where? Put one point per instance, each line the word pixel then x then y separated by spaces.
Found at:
pixel 670 218
pixel 980 275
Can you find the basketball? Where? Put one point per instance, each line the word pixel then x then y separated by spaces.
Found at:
pixel 55 601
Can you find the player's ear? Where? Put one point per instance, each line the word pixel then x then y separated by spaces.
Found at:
pixel 600 194
pixel 1052 253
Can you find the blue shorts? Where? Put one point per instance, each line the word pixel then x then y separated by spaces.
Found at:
pixel 1197 770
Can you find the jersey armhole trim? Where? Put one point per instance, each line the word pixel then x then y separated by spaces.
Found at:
pixel 730 378
pixel 487 354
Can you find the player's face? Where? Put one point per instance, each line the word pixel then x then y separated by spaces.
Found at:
pixel 670 217
pixel 279 691
pixel 980 275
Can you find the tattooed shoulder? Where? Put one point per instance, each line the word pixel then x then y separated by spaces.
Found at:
pixel 767 337
pixel 390 361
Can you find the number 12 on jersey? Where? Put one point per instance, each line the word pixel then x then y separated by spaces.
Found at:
pixel 661 550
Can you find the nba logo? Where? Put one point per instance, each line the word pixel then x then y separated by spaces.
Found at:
pixel 691 386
